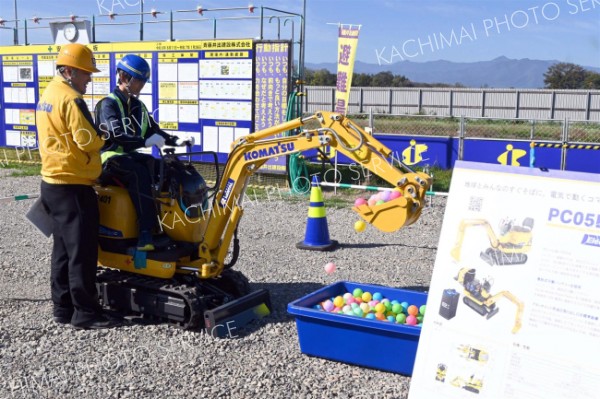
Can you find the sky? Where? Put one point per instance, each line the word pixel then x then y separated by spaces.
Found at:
pixel 391 30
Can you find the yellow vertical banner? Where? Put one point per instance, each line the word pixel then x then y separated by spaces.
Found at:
pixel 347 43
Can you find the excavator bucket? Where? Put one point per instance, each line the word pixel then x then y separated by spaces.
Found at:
pixel 389 216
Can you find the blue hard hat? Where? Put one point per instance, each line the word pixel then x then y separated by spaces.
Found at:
pixel 135 66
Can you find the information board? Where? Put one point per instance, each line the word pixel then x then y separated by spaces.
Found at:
pixel 513 309
pixel 203 88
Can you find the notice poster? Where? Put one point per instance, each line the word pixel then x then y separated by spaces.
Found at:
pixel 513 308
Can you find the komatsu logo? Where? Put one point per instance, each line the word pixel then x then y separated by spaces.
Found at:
pixel 589 239
pixel 269 151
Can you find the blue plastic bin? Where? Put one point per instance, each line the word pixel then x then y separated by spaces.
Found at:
pixel 371 343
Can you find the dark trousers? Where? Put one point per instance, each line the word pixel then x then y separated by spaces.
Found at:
pixel 134 171
pixel 74 210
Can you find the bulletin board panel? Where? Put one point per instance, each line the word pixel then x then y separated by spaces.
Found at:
pixel 208 89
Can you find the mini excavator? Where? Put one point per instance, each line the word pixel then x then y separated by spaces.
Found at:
pixel 471 353
pixel 508 249
pixel 186 280
pixel 472 384
pixel 477 296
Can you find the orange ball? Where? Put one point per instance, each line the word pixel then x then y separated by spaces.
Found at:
pixel 413 310
pixel 380 316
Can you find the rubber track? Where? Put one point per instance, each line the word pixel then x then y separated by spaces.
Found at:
pixel 172 288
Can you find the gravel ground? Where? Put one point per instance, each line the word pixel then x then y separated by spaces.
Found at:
pixel 39 358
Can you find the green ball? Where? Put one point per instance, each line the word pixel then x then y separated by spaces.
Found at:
pixel 388 306
pixel 401 318
pixel 420 319
pixel 357 293
pixel 397 308
pixel 422 310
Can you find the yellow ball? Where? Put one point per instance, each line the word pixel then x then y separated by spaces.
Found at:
pixel 360 226
pixel 338 301
pixel 366 296
pixel 380 308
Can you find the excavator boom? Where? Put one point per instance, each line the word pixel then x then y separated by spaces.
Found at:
pixel 250 152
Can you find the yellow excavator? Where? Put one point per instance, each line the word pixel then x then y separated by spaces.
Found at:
pixel 472 384
pixel 186 281
pixel 509 248
pixel 477 296
pixel 472 353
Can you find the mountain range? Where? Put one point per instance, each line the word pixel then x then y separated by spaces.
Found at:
pixel 501 72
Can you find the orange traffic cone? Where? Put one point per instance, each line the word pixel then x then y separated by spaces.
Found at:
pixel 316 237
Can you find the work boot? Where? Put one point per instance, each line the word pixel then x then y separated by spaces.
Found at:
pixel 99 323
pixel 145 242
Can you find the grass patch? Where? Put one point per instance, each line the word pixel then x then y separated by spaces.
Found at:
pixel 21 169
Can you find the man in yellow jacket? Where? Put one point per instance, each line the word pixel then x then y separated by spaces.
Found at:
pixel 70 151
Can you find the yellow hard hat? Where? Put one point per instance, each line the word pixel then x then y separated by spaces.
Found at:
pixel 77 56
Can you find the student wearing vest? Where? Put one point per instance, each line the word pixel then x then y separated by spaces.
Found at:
pixel 70 152
pixel 126 125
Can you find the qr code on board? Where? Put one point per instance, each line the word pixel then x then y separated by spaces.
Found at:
pixel 475 204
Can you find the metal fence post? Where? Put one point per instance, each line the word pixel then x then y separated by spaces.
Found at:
pixel 517 104
pixel 171 25
pixel 391 102
pixel 360 100
pixel 332 99
pixel 588 106
pixel 451 100
pixel 553 105
pixel 565 142
pixel 461 138
pixel 420 105
pixel 483 103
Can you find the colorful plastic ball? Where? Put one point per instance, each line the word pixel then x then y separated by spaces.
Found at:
pixel 377 296
pixel 379 316
pixel 404 304
pixel 422 310
pixel 346 296
pixel 395 194
pixel 365 307
pixel 380 308
pixel 328 305
pixel 337 310
pixel 391 319
pixel 385 195
pixel 388 305
pixel 370 316
pixel 372 202
pixel 380 202
pixel 397 308
pixel 366 296
pixel 350 300
pixel 420 319
pixel 360 202
pixel 413 310
pixel 411 320
pixel 358 312
pixel 360 226
pixel 318 307
pixel 401 318
pixel 330 268
pixel 338 301
pixel 347 308
pixel 357 293
pixel 358 300
pixel 349 313
pixel 373 303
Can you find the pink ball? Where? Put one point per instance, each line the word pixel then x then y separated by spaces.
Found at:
pixel 360 202
pixel 395 194
pixel 347 296
pixel 372 202
pixel 411 320
pixel 328 305
pixel 330 268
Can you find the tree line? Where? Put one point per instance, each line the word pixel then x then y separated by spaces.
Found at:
pixel 322 77
pixel 558 76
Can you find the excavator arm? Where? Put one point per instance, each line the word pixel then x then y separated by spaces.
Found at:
pixel 520 307
pixel 456 250
pixel 250 152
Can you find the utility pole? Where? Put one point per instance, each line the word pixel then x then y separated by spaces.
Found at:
pixel 16 38
pixel 141 20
